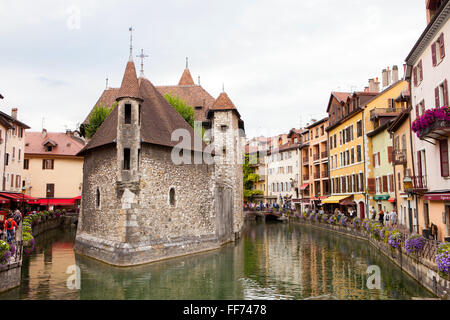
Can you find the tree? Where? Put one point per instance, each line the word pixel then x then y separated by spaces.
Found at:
pixel 186 111
pixel 250 178
pixel 98 115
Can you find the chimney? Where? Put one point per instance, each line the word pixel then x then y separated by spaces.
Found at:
pixel 373 85
pixel 394 74
pixel 14 113
pixel 44 133
pixel 389 76
pixel 377 85
pixel 384 78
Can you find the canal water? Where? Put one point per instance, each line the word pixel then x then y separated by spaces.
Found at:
pixel 271 261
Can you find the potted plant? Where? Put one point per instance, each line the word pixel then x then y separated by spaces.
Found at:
pixel 5 252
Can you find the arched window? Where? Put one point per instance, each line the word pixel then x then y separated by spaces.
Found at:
pixel 97 200
pixel 172 196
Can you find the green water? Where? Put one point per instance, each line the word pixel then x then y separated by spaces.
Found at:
pixel 271 261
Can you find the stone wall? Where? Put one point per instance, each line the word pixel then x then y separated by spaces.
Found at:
pixel 10 276
pixel 136 223
pixel 423 271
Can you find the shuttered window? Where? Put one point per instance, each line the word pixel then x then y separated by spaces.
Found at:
pixel 371 184
pixel 385 184
pixel 389 150
pixel 443 145
pixel 442 46
pixel 433 54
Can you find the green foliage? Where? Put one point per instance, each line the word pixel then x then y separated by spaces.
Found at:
pixel 186 111
pixel 250 178
pixel 98 115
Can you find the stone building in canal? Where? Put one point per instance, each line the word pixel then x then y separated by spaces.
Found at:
pixel 138 204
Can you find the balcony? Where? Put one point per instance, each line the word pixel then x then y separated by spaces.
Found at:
pixel 306 178
pixel 439 130
pixel 324 155
pixel 324 174
pixel 418 184
pixel 384 112
pixel 399 157
pixel 316 157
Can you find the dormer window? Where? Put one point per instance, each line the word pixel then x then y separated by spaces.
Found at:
pixel 49 148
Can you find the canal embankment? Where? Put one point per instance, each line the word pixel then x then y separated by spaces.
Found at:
pixel 422 268
pixel 10 272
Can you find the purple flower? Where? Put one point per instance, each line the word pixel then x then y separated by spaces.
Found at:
pixel 414 243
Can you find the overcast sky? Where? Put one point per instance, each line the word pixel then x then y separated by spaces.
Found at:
pixel 279 60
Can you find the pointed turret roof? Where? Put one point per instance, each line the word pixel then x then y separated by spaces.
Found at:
pixel 159 119
pixel 186 78
pixel 223 102
pixel 130 85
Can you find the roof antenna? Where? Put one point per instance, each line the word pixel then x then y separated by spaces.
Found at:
pixel 106 83
pixel 142 56
pixel 131 43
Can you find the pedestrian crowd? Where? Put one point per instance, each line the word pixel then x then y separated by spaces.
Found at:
pixel 9 227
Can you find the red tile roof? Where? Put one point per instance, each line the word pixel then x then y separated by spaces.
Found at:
pixel 341 96
pixel 186 79
pixel 130 85
pixel 107 99
pixel 194 96
pixel 65 145
pixel 159 119
pixel 223 102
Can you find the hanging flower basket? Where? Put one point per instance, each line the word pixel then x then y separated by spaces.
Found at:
pixel 434 123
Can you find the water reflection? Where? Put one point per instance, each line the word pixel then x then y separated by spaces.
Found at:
pixel 272 261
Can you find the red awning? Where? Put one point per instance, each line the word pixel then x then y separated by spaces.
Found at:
pixel 12 196
pixel 392 200
pixel 56 202
pixel 4 200
pixel 438 197
pixel 303 187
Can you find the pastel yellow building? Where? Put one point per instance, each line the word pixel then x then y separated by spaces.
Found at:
pixel 51 168
pixel 346 154
pixel 379 113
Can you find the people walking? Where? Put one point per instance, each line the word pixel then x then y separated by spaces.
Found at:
pixel 10 224
pixel 393 218
pixel 381 217
pixel 373 213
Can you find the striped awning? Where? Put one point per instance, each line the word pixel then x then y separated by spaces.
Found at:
pixel 335 199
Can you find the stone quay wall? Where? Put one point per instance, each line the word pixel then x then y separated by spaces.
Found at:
pixel 422 270
pixel 10 276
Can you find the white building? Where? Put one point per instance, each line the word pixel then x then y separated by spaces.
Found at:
pixel 282 172
pixel 429 73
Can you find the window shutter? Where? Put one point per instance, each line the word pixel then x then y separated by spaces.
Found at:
pixel 415 76
pixel 419 163
pixel 389 150
pixel 420 71
pixel 43 164
pixel 385 184
pixel 442 45
pixel 417 111
pixel 379 159
pixel 445 93
pixel 422 106
pixel 374 159
pixel 433 54
pixel 371 185
pixel 436 97
pixel 443 144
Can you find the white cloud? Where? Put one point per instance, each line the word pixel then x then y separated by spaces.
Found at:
pixel 278 60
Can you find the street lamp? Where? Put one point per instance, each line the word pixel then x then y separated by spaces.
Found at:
pixel 48 192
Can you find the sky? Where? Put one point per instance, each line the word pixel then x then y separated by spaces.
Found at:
pixel 277 60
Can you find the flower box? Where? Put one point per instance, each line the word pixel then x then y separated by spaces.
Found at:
pixel 434 124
